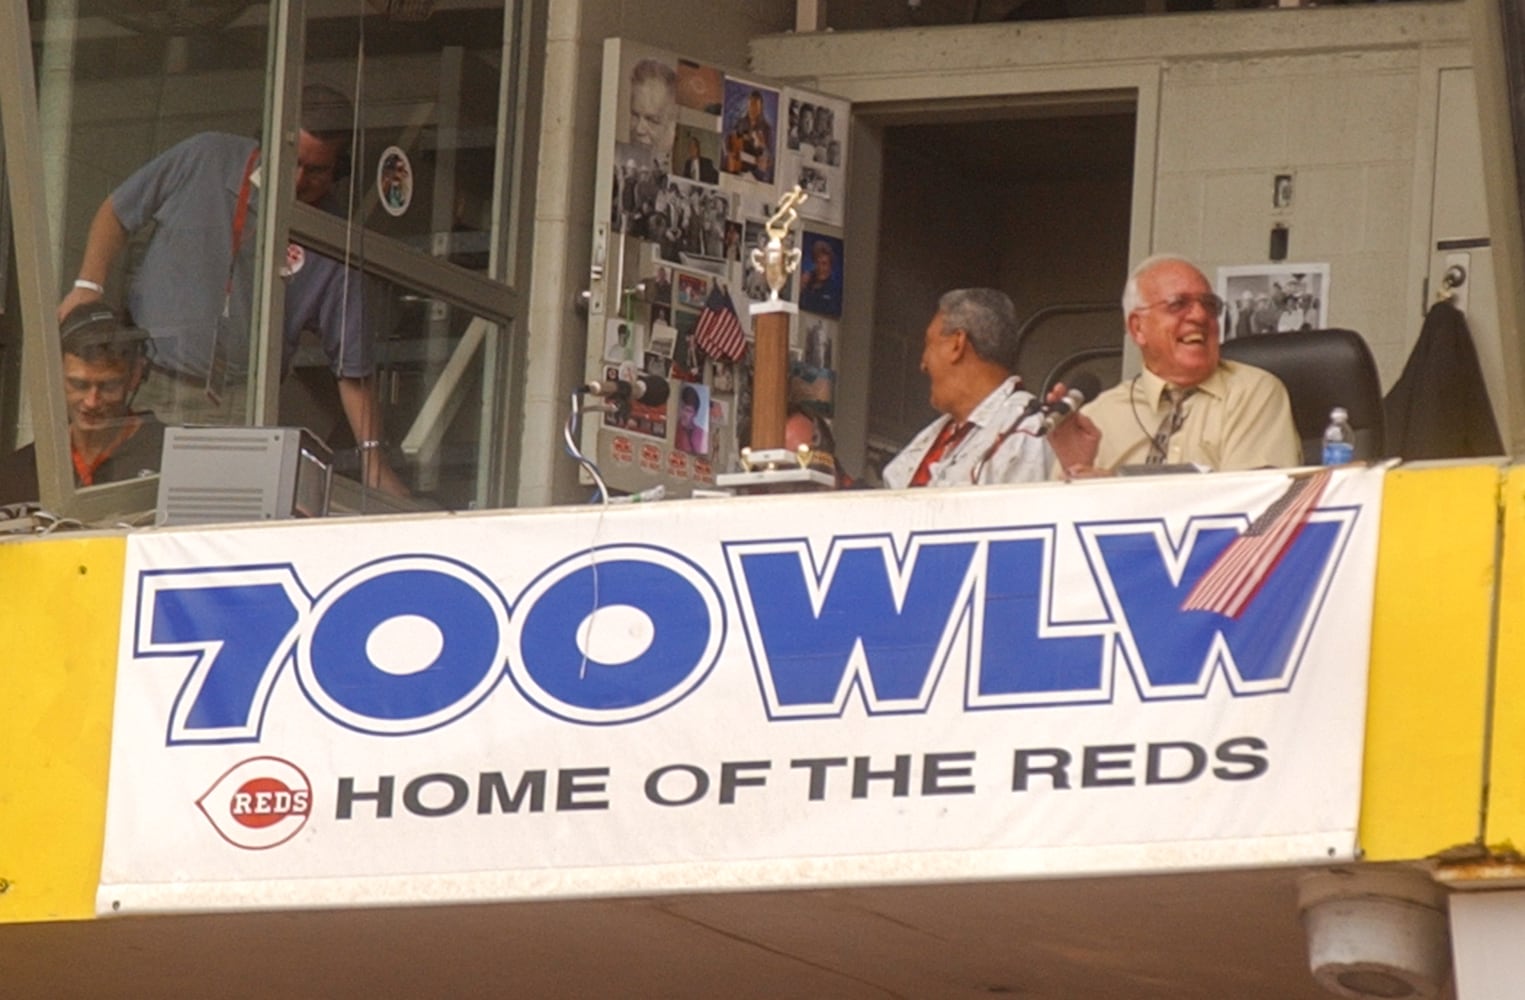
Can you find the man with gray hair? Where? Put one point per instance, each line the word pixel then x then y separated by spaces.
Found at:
pixel 1187 405
pixel 988 430
pixel 654 108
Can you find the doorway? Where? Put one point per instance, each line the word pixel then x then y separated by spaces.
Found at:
pixel 1037 203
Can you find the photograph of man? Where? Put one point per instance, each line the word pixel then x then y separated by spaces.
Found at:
pixel 639 193
pixel 792 130
pixel 105 361
pixel 821 280
pixel 621 341
pixel 654 108
pixel 749 131
pixel 696 166
pixel 193 289
pixel 1187 405
pixel 661 287
pixel 981 435
pixel 802 427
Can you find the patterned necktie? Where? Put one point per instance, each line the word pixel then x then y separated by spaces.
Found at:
pixel 1159 445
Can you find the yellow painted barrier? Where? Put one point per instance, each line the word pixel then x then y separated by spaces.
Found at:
pixel 1426 715
pixel 1506 814
pixel 60 602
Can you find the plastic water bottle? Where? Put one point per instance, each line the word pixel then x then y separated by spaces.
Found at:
pixel 1339 439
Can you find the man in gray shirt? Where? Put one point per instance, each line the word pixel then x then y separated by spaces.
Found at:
pixel 193 291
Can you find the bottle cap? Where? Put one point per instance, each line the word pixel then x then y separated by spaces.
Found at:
pixel 1338 413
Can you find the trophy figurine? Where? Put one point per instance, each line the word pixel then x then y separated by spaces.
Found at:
pixel 776 263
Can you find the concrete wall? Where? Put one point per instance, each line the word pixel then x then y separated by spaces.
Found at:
pixel 1346 125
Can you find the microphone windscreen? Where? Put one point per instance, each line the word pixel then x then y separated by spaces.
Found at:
pixel 1087 384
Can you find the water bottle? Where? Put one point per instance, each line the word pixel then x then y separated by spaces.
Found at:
pixel 1339 439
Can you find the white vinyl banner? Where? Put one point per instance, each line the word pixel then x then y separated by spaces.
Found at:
pixel 844 688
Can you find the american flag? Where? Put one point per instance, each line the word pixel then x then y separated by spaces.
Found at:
pixel 718 332
pixel 1236 575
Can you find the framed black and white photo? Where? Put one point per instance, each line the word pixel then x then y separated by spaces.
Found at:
pixel 1273 298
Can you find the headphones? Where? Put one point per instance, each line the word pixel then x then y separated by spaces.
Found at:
pixel 94 328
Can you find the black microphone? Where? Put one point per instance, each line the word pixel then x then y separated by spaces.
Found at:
pixel 648 390
pixel 1081 391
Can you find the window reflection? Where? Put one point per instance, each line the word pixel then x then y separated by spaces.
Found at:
pixel 138 110
pixel 430 360
pixel 151 128
pixel 423 177
pixel 429 97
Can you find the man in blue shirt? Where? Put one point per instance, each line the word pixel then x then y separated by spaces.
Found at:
pixel 193 290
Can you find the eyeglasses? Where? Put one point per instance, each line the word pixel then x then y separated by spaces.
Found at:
pixel 1180 305
pixel 106 387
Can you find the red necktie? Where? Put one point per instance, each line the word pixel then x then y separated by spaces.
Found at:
pixel 948 437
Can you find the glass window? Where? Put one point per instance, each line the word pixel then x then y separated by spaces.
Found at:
pixel 120 95
pixel 431 360
pixel 387 338
pixel 423 175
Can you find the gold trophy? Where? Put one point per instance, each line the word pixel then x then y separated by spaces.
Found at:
pixel 766 463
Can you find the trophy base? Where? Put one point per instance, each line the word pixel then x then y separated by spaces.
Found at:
pixel 780 480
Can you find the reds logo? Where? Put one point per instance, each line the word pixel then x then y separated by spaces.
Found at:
pixel 259 803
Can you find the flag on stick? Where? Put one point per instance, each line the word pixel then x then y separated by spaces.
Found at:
pixel 1234 578
pixel 718 332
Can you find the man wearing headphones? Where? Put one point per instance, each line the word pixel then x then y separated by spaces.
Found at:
pixel 105 363
pixel 193 290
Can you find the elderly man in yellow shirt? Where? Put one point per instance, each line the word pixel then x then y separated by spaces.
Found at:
pixel 1187 405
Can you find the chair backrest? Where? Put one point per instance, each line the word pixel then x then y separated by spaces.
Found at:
pixel 1321 369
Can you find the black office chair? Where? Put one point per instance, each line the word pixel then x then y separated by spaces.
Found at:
pixel 1321 369
pixel 1089 359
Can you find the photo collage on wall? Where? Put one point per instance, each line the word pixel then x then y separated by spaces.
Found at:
pixel 700 160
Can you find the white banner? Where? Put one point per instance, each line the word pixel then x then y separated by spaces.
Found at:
pixel 844 688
